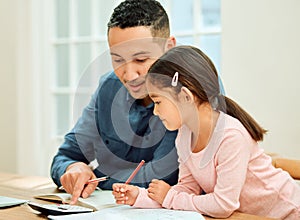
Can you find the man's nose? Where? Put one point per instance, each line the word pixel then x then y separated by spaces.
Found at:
pixel 131 71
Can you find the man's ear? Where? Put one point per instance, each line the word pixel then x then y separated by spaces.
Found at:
pixel 171 42
pixel 187 95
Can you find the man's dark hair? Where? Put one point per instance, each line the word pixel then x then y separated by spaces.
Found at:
pixel 134 13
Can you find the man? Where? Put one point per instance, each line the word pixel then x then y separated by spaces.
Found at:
pixel 117 129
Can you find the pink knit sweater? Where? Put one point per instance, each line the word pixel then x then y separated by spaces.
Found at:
pixel 235 174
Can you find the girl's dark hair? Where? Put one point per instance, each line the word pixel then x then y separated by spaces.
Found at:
pixel 198 73
pixel 134 13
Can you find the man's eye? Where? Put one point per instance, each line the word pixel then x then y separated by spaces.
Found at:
pixel 142 60
pixel 118 60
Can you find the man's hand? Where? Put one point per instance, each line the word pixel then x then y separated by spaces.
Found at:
pixel 74 181
pixel 158 190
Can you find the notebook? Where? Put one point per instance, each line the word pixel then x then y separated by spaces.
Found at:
pixel 99 199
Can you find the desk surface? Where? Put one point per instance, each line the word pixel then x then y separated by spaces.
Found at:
pixel 25 187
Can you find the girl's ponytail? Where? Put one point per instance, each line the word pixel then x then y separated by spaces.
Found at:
pixel 234 110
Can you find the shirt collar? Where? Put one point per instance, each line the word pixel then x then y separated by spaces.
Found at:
pixel 132 100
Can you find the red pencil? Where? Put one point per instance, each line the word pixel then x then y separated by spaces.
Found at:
pixel 135 172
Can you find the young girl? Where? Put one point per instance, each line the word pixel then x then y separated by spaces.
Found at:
pixel 216 144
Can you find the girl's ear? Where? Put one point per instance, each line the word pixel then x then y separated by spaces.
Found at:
pixel 187 95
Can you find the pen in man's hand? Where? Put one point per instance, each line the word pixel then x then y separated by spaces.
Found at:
pixel 104 178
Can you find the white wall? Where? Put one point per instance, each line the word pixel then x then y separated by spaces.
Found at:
pixel 8 97
pixel 20 148
pixel 260 66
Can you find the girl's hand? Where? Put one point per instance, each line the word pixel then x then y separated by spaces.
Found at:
pixel 158 190
pixel 124 193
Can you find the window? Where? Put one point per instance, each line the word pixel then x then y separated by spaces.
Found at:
pixel 77 35
pixel 197 22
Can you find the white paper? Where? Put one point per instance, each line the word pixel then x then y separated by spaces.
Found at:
pixel 8 201
pixel 121 212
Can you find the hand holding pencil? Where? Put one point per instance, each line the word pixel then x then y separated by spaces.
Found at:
pixel 79 180
pixel 125 193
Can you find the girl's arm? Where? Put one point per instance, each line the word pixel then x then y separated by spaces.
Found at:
pixel 231 167
pixel 186 182
pixel 153 197
pixel 158 189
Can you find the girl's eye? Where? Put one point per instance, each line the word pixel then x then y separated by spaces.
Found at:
pixel 157 103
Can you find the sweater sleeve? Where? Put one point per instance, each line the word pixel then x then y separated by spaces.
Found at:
pixel 231 161
pixel 144 201
pixel 186 184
